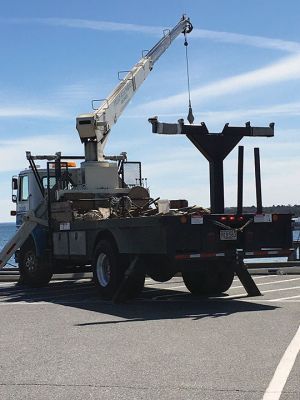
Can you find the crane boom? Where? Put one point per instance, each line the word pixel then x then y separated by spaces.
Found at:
pixel 95 127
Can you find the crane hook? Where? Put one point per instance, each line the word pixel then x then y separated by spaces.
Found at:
pixel 190 116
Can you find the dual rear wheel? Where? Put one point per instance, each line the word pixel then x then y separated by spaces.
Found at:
pixel 211 279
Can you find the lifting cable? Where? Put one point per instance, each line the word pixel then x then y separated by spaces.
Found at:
pixel 190 116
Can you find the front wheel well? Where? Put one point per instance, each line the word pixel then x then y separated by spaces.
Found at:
pixel 29 243
pixel 108 236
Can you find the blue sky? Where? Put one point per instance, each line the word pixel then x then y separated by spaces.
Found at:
pixel 244 65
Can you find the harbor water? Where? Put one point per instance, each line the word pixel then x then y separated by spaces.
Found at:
pixel 7 230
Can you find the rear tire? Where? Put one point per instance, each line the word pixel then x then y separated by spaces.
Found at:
pixel 212 279
pixel 109 271
pixel 159 268
pixel 34 271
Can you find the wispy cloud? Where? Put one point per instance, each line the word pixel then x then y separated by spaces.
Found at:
pixel 12 151
pixel 274 111
pixel 217 36
pixel 106 26
pixel 284 110
pixel 286 69
pixel 58 102
pixel 248 40
pixel 29 111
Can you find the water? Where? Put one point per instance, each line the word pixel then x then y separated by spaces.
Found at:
pixel 7 230
pixel 296 236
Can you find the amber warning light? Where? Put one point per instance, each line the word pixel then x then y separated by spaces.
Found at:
pixel 69 164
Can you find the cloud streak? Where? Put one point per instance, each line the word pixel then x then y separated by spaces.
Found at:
pixel 31 112
pixel 12 151
pixel 286 69
pixel 248 40
pixel 216 36
pixel 277 110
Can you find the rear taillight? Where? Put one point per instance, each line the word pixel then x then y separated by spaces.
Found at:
pixel 231 218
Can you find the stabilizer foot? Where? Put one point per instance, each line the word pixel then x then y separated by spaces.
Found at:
pixel 132 271
pixel 246 279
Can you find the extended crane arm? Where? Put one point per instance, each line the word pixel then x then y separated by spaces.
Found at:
pixel 97 125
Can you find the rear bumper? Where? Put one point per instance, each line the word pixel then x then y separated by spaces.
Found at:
pixel 263 253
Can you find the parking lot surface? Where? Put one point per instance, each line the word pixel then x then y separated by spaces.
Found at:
pixel 64 342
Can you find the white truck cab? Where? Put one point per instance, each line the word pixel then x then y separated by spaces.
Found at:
pixel 26 192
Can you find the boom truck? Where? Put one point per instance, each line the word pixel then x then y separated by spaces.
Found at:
pixel 101 216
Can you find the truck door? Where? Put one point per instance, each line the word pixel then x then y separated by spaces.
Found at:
pixel 23 198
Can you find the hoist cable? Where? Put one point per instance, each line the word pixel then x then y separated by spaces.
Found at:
pixel 190 117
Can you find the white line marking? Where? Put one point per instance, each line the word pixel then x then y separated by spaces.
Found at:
pixel 22 303
pixel 256 277
pixel 286 298
pixel 279 290
pixel 61 303
pixel 269 283
pixel 290 301
pixel 283 369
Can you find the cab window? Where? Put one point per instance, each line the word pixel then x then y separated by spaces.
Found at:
pixel 24 188
pixel 52 181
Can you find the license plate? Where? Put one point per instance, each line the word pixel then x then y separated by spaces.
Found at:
pixel 228 234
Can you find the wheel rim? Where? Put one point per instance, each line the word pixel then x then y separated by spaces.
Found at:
pixel 30 261
pixel 103 269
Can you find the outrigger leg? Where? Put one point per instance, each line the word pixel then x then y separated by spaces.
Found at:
pixel 135 268
pixel 246 278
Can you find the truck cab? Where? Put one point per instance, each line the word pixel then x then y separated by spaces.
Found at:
pixel 26 193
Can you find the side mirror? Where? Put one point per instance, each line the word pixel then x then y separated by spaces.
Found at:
pixel 14 183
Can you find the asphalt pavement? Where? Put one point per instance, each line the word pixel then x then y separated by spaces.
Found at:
pixel 64 342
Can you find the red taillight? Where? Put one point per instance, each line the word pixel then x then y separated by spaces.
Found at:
pixel 231 218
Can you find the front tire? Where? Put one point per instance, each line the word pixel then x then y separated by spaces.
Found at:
pixel 34 271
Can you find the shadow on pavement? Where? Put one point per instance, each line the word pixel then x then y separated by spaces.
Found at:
pixel 176 304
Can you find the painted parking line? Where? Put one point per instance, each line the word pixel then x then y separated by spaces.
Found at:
pixel 53 303
pixel 283 369
pixel 236 279
pixel 280 290
pixel 286 298
pixel 269 283
pixel 230 296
